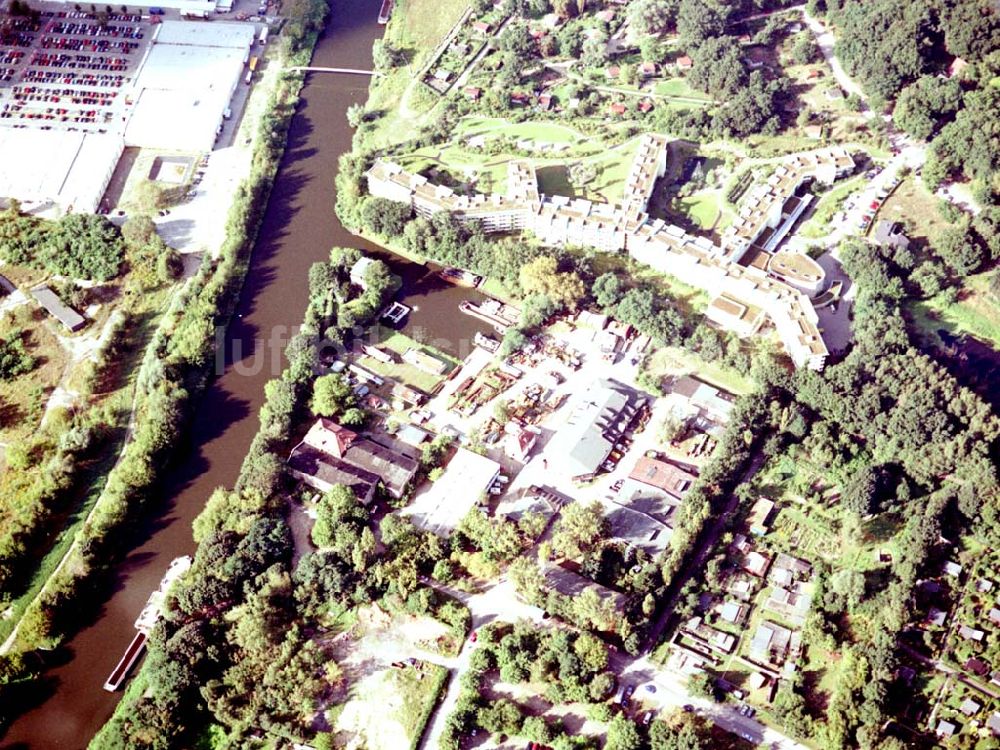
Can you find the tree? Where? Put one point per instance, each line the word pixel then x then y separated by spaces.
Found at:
pixel 593 652
pixel 608 289
pixel 994 285
pixel 138 230
pixel 150 198
pixel 355 115
pixel 717 67
pixel 566 9
pixel 960 249
pixel 929 277
pixel 594 51
pixel 702 684
pixel 861 491
pixel 927 105
pixel 970 29
pixel 332 395
pixel 652 17
pixel 83 246
pixel 850 585
pixel 385 217
pixel 580 527
pixel 804 48
pixel 884 44
pixel 751 109
pixel 663 736
pixel 541 276
pixel 623 734
pixel 386 56
pixel 14 357
pixel 592 609
pixel 698 21
pixel 969 145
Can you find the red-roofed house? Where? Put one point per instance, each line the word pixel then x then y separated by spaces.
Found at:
pixel 663 475
pixel 473 92
pixel 645 105
pixel 605 15
pixel 545 102
pixel 482 27
pixel 684 62
pixel 329 437
pixel 647 69
pixel 617 109
pixel 519 440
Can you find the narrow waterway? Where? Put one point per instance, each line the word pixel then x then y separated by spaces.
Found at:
pixel 68 706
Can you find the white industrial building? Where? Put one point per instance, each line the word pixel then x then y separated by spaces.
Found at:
pixel 73 173
pixel 186 84
pixel 441 507
pixel 183 86
pixel 189 6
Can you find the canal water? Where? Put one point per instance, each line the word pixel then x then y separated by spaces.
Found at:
pixel 68 705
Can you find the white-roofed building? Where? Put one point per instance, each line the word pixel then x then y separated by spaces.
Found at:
pixel 69 169
pixel 217 34
pixel 186 84
pixel 440 507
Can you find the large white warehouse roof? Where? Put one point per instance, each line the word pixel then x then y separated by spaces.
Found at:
pixel 215 34
pixel 71 169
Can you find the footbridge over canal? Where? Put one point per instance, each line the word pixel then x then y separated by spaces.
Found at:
pixel 352 71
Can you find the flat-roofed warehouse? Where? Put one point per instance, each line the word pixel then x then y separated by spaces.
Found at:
pixel 186 84
pixel 196 6
pixel 70 169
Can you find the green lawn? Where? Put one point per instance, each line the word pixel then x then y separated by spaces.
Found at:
pixel 389 710
pixel 421 24
pixel 976 312
pixel 420 690
pixel 704 207
pixel 548 132
pixel 818 224
pixel 488 172
pixel 416 27
pixel 918 209
pixel 673 360
pixel 402 371
pixel 678 87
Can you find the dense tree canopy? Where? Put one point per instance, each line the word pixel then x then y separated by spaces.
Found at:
pixel 970 144
pixel 81 246
pixel 926 105
pixel 885 44
pixel 718 67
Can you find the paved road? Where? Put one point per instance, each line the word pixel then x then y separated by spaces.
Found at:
pixel 498 602
pixel 670 693
pixel 825 41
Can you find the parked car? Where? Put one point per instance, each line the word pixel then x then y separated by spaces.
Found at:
pixel 627 696
pixel 648 717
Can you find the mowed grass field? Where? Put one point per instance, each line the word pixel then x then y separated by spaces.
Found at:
pixel 416 27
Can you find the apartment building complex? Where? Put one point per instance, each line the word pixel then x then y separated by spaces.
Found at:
pixel 748 281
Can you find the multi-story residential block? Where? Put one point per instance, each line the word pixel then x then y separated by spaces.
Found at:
pixel 749 282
